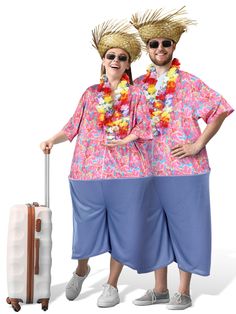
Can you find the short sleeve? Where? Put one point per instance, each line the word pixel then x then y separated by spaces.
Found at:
pixel 208 104
pixel 71 129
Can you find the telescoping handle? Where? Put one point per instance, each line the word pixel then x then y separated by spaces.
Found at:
pixel 47 164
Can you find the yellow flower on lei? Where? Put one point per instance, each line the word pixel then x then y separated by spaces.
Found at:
pixel 152 89
pixel 107 99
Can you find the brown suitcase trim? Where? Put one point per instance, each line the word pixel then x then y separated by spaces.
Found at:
pixel 30 252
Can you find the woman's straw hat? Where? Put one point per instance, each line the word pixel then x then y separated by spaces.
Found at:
pixel 113 34
pixel 155 23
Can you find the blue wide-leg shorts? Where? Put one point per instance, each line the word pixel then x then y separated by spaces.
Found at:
pixel 120 216
pixel 185 203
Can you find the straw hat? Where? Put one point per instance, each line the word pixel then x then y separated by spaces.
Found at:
pixel 155 23
pixel 112 34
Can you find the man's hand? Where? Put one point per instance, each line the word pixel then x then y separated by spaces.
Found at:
pixel 185 150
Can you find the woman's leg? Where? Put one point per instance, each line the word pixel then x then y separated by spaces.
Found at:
pixel 110 296
pixel 115 270
pixel 74 286
pixel 82 267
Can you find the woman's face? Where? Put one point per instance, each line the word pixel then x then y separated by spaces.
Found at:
pixel 116 61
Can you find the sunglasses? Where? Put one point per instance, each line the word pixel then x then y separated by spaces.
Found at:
pixel 112 56
pixel 155 43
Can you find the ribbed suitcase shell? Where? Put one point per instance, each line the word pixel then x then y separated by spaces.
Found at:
pixel 29 247
pixel 18 262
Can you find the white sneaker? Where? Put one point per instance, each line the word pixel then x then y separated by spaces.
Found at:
pixel 74 286
pixel 109 296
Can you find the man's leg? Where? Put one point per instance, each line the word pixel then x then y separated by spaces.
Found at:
pixel 181 299
pixel 184 284
pixel 159 294
pixel 161 280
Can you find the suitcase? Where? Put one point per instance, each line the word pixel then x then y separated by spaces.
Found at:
pixel 29 251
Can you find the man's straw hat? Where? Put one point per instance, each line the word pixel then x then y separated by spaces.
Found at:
pixel 156 23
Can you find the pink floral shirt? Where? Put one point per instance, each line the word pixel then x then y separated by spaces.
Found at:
pixel 92 160
pixel 193 100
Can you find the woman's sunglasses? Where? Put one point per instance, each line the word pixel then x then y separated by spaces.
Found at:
pixel 112 56
pixel 155 44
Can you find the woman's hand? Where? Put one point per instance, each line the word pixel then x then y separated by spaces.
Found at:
pixel 123 141
pixel 56 139
pixel 185 150
pixel 115 143
pixel 46 145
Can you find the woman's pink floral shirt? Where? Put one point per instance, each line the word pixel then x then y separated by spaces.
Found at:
pixel 92 160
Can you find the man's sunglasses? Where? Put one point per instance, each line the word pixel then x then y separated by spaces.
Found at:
pixel 155 44
pixel 112 56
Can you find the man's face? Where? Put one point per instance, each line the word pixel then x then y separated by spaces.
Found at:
pixel 161 50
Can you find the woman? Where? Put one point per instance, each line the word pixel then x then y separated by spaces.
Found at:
pixel 110 178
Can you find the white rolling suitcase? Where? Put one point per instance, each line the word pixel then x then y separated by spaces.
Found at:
pixel 29 251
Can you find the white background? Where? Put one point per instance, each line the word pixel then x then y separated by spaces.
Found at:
pixel 47 61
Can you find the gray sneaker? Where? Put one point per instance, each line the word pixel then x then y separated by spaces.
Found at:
pixel 152 297
pixel 109 297
pixel 179 302
pixel 74 286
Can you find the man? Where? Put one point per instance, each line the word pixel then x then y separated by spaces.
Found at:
pixel 178 155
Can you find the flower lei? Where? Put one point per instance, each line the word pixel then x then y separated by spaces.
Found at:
pixel 161 102
pixel 113 112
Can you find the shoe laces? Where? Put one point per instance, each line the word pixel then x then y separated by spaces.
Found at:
pixel 177 297
pixel 73 281
pixel 152 294
pixel 107 290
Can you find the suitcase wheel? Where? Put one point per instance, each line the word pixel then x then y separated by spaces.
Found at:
pixel 44 303
pixel 8 300
pixel 14 303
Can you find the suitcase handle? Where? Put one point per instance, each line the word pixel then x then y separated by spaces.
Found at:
pixel 36 267
pixel 47 165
